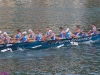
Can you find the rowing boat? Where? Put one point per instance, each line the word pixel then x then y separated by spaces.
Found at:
pixel 48 44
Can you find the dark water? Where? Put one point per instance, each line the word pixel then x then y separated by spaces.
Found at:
pixel 37 14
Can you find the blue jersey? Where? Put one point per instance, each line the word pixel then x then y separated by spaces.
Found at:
pixel 61 35
pixel 24 39
pixel 6 39
pixel 67 35
pixel 0 37
pixel 38 37
pixel 84 35
pixel 52 38
pixel 48 33
pixel 92 29
pixel 18 36
pixel 30 36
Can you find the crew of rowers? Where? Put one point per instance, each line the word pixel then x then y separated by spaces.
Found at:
pixel 37 36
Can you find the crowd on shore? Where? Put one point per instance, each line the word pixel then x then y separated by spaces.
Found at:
pixel 31 36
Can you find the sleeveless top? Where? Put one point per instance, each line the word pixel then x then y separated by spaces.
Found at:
pixel 48 33
pixel 0 37
pixel 67 35
pixel 52 38
pixel 18 36
pixel 61 35
pixel 92 29
pixel 6 39
pixel 92 32
pixel 30 36
pixel 24 38
pixel 38 37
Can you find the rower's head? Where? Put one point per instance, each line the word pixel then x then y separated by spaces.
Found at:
pixel 30 31
pixel 77 26
pixel 24 33
pixel 17 31
pixel 47 29
pixel 5 34
pixel 93 25
pixel 50 31
pixel 37 31
pixel 60 28
pixel 67 30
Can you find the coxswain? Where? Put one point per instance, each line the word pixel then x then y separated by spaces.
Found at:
pixel 24 37
pixel 6 38
pixel 38 35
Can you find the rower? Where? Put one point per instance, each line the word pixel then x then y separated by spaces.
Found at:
pixel 77 31
pixel 1 37
pixel 38 35
pixel 62 33
pixel 68 34
pixel 31 36
pixel 47 33
pixel 17 37
pixel 93 31
pixel 52 35
pixel 6 38
pixel 84 34
pixel 47 36
pixel 24 37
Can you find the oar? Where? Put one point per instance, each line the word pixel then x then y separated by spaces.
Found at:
pixel 37 46
pixel 60 45
pixel 74 43
pixel 5 50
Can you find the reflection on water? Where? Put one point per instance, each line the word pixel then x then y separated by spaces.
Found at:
pixel 37 14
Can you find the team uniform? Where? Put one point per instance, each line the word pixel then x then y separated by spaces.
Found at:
pixel 61 35
pixel 92 32
pixel 38 37
pixel 67 36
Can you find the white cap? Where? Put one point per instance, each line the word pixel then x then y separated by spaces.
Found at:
pixel 30 30
pixel 0 31
pixel 50 30
pixel 67 29
pixel 24 32
pixel 5 33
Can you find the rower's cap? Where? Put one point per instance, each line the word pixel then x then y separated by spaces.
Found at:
pixel 0 32
pixel 5 33
pixel 67 29
pixel 30 30
pixel 24 32
pixel 50 30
